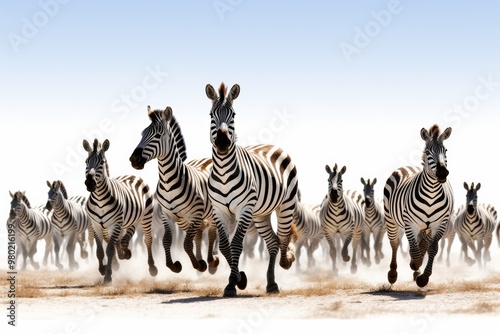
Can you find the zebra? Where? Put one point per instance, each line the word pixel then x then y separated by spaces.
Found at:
pixel 33 224
pixel 245 184
pixel 69 222
pixel 115 206
pixel 373 224
pixel 310 233
pixel 448 236
pixel 182 187
pixel 341 214
pixel 420 200
pixel 474 226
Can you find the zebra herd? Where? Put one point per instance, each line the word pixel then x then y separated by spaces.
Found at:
pixel 232 196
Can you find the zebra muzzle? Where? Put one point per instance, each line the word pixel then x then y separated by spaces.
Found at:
pixel 441 174
pixel 137 160
pixel 90 183
pixel 222 140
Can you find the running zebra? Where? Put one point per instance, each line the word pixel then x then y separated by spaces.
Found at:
pixel 373 224
pixel 448 238
pixel 309 231
pixel 182 187
pixel 69 222
pixel 248 183
pixel 341 214
pixel 420 201
pixel 115 206
pixel 33 224
pixel 474 226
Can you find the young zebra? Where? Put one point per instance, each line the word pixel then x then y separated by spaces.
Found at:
pixel 341 213
pixel 33 224
pixel 115 206
pixel 182 187
pixel 373 224
pixel 248 184
pixel 309 231
pixel 420 201
pixel 474 225
pixel 69 222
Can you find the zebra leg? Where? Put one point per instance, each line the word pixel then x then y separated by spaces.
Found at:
pixel 57 247
pixel 148 240
pixel 448 250
pixel 377 245
pixel 298 253
pixel 345 249
pixel 313 246
pixel 333 253
pixel 48 249
pixel 466 243
pixel 198 238
pixel 82 241
pixel 415 254
pixel 70 249
pixel 213 260
pixel 394 235
pixel 167 244
pixel 423 279
pixel 355 242
pixel 24 254
pixel 265 230
pixel 110 252
pixel 285 217
pixel 123 250
pixel 31 255
pixel 99 251
pixel 193 229
pixel 487 243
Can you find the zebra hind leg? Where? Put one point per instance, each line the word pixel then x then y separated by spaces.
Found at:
pixel 213 260
pixel 167 243
pixel 265 231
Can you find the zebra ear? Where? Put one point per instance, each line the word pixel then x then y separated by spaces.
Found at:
pixel 466 186
pixel 11 194
pixel 168 114
pixel 234 92
pixel 211 93
pixel 49 184
pixel 149 110
pixel 445 135
pixel 105 145
pixel 328 170
pixel 374 181
pixel 478 186
pixel 342 171
pixel 363 181
pixel 86 146
pixel 424 134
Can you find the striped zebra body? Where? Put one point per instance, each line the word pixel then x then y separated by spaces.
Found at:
pixel 182 188
pixel 310 233
pixel 341 214
pixel 33 224
pixel 419 200
pixel 373 224
pixel 474 225
pixel 249 184
pixel 69 223
pixel 115 207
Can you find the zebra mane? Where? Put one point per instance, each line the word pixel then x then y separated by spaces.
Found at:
pixel 157 115
pixel 61 187
pixel 434 131
pixel 22 196
pixel 222 91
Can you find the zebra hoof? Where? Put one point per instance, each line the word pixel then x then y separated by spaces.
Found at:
pixel 422 280
pixel 273 288
pixel 354 269
pixel 59 266
pixel 392 276
pixel 74 266
pixel 214 263
pixel 127 254
pixel 346 258
pixel 84 255
pixel 230 291
pixel 415 275
pixel 153 271
pixel 202 266
pixel 102 270
pixel 285 264
pixel 175 267
pixel 107 280
pixel 242 284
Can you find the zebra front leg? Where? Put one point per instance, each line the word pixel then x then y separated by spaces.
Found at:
pixel 123 250
pixel 148 240
pixel 82 241
pixel 423 279
pixel 333 253
pixel 378 245
pixel 355 242
pixel 57 247
pixel 167 244
pixel 487 243
pixel 393 233
pixel 48 249
pixel 193 229
pixel 415 254
pixel 70 249
pixel 345 250
pixel 213 260
pixel 99 251
pixel 265 230
pixel 110 252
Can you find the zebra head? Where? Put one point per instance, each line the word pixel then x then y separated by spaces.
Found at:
pixel 19 200
pixel 434 156
pixel 334 182
pixel 222 114
pixel 57 192
pixel 96 166
pixel 158 140
pixel 471 197
pixel 368 190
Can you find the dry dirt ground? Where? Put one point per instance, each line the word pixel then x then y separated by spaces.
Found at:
pixel 459 296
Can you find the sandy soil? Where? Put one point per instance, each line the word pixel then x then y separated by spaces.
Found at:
pixel 458 296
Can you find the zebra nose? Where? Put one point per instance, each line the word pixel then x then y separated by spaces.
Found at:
pixel 136 159
pixel 222 140
pixel 48 206
pixel 90 183
pixel 12 214
pixel 470 209
pixel 442 173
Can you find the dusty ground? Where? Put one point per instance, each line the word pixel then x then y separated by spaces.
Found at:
pixel 458 296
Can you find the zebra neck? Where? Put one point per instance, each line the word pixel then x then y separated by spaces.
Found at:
pixel 25 216
pixel 171 168
pixel 227 164
pixel 429 182
pixel 337 207
pixel 103 188
pixel 61 209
